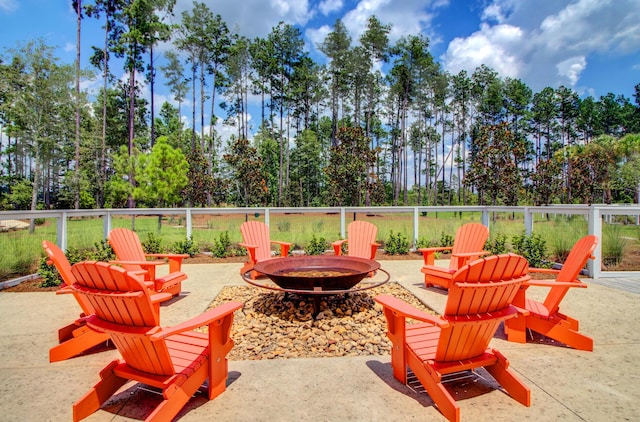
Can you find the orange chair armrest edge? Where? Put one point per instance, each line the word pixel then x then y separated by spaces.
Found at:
pixel 408 311
pixel 201 320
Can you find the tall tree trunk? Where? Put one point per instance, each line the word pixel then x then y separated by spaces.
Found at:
pixel 77 144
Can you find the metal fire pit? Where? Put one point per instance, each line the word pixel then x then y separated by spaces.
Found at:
pixel 317 275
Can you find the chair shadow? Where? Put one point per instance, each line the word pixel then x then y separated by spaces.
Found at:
pixel 175 299
pixel 461 386
pixel 138 400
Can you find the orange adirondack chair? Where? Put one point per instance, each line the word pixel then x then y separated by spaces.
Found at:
pixel 176 360
pixel 361 240
pixel 478 301
pixel 467 246
pixel 131 256
pixel 74 338
pixel 545 317
pixel 257 242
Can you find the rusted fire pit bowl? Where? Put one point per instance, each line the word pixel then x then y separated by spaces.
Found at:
pixel 317 273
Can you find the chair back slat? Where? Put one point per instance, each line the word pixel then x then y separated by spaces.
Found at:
pixel 470 237
pixel 127 247
pixel 580 253
pixel 257 233
pixel 360 235
pixel 124 310
pixel 478 301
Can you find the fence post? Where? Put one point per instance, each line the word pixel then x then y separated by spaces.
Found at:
pixel 187 222
pixel 485 217
pixel 595 227
pixel 61 234
pixel 342 223
pixel 528 221
pixel 415 226
pixel 266 216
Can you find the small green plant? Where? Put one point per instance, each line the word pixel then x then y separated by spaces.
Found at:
pixel 533 248
pixel 187 246
pixel 152 244
pixel 398 244
pixel 446 240
pixel 497 245
pixel 221 246
pixel 316 246
pixel 102 252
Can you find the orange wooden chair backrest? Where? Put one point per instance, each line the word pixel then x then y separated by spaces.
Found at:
pixel 477 303
pixel 127 247
pixel 360 236
pixel 124 310
pixel 580 253
pixel 60 261
pixel 470 237
pixel 256 233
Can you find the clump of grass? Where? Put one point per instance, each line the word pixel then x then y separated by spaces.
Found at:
pixel 613 244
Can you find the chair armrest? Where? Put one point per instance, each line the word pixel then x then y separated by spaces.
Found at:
pixel 470 254
pixel 428 254
pixel 403 309
pixel 140 263
pixel 543 270
pixel 175 259
pixel 553 283
pixel 251 250
pixel 374 249
pixel 337 246
pixel 284 247
pixel 201 320
pixel 160 297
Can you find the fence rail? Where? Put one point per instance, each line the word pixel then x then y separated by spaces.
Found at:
pixel 594 214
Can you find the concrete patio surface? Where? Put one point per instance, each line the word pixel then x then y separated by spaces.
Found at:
pixel 566 384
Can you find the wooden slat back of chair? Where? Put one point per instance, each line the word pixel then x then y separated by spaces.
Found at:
pixel 470 237
pixel 127 247
pixel 124 310
pixel 60 261
pixel 478 301
pixel 575 262
pixel 257 233
pixel 360 236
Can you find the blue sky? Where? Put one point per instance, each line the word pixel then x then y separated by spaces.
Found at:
pixel 591 46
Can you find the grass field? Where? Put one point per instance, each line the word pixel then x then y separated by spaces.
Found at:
pixel 22 250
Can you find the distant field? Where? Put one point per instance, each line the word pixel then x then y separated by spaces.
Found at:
pixel 22 250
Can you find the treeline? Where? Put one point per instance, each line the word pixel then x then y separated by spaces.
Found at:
pixel 341 133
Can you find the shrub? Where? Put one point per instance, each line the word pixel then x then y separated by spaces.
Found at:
pixel 152 244
pixel 398 244
pixel 221 246
pixel 49 274
pixel 425 243
pixel 187 246
pixel 497 245
pixel 446 240
pixel 316 246
pixel 533 248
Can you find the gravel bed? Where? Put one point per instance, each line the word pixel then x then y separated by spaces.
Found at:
pixel 272 326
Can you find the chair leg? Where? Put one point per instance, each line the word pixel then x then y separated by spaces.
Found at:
pixel 516 329
pixel 109 383
pixel 561 333
pixel 431 382
pixel 83 339
pixel 178 397
pixel 508 380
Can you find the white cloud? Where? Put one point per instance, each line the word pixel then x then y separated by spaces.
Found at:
pixel 547 43
pixel 8 6
pixel 571 68
pixel 492 46
pixel 329 6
